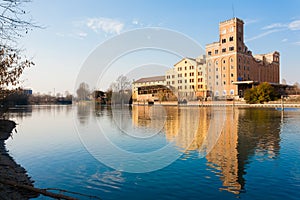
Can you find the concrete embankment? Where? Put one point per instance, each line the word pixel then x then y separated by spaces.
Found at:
pixel 10 171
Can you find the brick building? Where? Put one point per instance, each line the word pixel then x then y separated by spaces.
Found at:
pixel 229 60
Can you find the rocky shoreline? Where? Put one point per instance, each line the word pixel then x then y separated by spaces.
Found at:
pixel 10 171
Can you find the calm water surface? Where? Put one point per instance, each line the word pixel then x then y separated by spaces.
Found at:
pixel 254 155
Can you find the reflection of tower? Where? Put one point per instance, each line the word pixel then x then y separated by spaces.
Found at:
pixel 187 127
pixel 224 156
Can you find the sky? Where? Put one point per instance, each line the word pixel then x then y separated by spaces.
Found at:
pixel 73 30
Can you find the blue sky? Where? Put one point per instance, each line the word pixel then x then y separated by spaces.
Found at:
pixel 73 29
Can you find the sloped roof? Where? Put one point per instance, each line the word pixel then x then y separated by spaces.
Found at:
pixel 191 60
pixel 150 79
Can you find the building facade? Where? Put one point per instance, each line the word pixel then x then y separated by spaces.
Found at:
pixel 188 78
pixel 151 89
pixel 229 60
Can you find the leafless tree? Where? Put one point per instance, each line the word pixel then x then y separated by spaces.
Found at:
pixel 14 23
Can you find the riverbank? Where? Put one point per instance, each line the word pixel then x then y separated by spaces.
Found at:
pixel 224 103
pixel 10 171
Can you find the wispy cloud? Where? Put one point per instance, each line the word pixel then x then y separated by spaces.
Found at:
pixel 76 35
pixel 284 40
pixel 135 22
pixel 294 25
pixel 297 43
pixel 274 25
pixel 250 21
pixel 81 34
pixel 263 34
pixel 277 27
pixel 107 25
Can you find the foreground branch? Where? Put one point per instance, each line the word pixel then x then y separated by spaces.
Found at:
pixel 37 190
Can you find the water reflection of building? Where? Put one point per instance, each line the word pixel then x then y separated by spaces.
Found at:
pixel 245 133
pixel 223 158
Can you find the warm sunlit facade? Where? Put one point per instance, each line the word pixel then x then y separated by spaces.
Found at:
pixel 229 60
pixel 188 77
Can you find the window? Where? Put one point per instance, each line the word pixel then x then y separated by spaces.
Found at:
pixel 240 39
pixel 239 66
pixel 231 48
pixel 217 62
pixel 185 62
pixel 173 76
pixel 223 41
pixel 168 82
pixel 209 53
pixel 224 31
pixel 192 74
pixel 217 76
pixel 179 87
pixel 184 74
pixel 232 75
pixel 185 87
pixel 168 77
pixel 224 68
pixel 185 81
pixel 185 67
pixel 217 83
pixel 223 50
pixel 179 75
pixel 191 80
pixel 224 61
pixel 231 59
pixel 224 75
pixel 232 67
pixel 217 69
pixel 173 82
pixel 224 82
pixel 216 51
pixel 231 29
pixel 209 77
pixel 231 38
pixel 240 48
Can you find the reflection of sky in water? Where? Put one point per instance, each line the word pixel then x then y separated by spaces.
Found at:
pixel 256 155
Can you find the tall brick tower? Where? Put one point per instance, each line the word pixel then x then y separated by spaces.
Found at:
pixel 229 61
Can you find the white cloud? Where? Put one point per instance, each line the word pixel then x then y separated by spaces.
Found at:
pixel 297 43
pixel 135 22
pixel 284 40
pixel 294 25
pixel 81 34
pixel 274 25
pixel 250 21
pixel 264 34
pixel 107 25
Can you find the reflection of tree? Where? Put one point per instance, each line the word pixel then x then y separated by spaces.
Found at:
pixel 259 132
pixel 83 113
pixel 246 133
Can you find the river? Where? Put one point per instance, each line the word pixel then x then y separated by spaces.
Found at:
pixel 160 152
